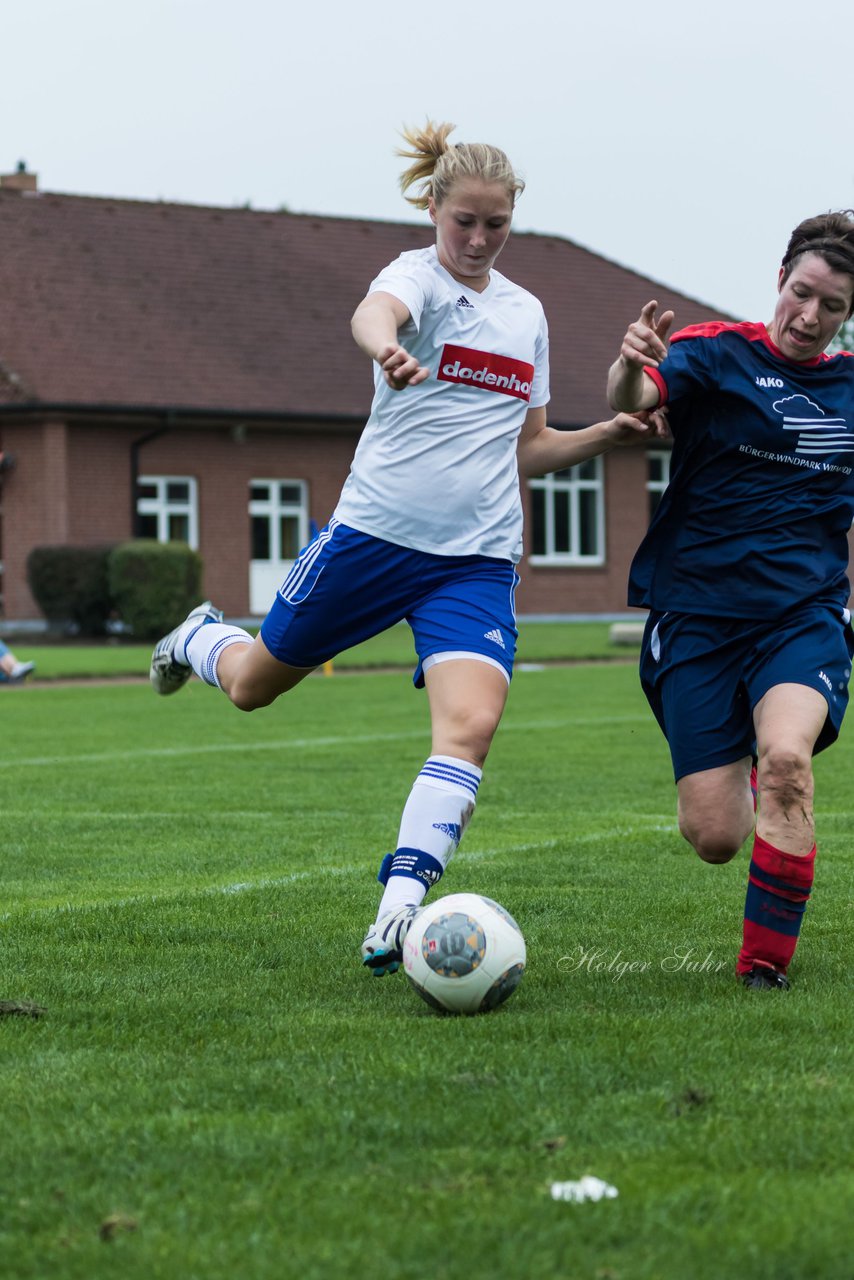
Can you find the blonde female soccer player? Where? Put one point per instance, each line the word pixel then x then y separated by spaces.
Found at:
pixel 429 524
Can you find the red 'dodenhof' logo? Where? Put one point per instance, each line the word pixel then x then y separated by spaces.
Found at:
pixel 486 369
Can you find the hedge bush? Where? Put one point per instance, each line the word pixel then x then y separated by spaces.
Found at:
pixel 71 587
pixel 154 585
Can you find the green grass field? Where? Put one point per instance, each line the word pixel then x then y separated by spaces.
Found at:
pixel 539 642
pixel 218 1091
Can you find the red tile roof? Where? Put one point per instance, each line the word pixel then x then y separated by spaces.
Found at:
pixel 125 303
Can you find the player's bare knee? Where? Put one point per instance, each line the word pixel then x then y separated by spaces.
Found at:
pixel 712 844
pixel 718 851
pixel 472 737
pixel 784 767
pixel 475 745
pixel 243 702
pixel 247 696
pixel 785 779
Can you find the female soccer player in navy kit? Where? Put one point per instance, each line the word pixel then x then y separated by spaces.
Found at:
pixel 429 523
pixel 747 648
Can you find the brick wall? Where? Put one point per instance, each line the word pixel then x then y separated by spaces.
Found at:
pixel 72 484
pixel 224 462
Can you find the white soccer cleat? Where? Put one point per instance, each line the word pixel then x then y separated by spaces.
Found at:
pixel 21 670
pixel 382 948
pixel 167 674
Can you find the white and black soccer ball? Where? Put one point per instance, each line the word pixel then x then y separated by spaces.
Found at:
pixel 464 953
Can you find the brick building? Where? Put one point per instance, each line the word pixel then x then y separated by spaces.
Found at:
pixel 184 372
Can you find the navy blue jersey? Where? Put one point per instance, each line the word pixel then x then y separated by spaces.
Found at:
pixel 761 495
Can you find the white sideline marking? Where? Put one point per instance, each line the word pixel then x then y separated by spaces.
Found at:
pixel 278 882
pixel 165 815
pixel 176 895
pixel 292 744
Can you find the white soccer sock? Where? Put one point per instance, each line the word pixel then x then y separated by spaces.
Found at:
pixel 207 643
pixel 435 816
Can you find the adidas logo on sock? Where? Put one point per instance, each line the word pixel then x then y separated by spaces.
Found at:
pixel 494 635
pixel 451 829
pixel 462 301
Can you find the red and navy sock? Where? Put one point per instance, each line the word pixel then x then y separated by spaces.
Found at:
pixel 778 889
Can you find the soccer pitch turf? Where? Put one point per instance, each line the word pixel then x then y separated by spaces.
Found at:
pixel 217 1090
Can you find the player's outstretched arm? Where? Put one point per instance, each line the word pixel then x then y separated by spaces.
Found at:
pixel 542 449
pixel 375 324
pixel 643 347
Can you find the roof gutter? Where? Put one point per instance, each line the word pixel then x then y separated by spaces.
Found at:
pixel 180 415
pixel 175 414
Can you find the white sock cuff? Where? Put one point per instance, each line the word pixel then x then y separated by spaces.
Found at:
pixel 204 648
pixel 446 773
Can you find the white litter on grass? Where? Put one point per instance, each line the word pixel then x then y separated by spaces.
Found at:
pixel 586 1188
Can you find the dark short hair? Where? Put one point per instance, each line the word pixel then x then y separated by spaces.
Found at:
pixel 829 234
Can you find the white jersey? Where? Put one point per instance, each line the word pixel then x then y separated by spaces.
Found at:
pixel 435 468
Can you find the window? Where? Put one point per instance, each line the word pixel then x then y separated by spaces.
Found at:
pixel 657 477
pixel 278 519
pixel 167 509
pixel 568 516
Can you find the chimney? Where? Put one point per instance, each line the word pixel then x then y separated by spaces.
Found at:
pixel 20 180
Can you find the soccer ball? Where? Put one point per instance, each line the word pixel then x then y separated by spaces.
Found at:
pixel 464 954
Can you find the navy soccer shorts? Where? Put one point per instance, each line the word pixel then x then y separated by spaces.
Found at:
pixel 347 586
pixel 703 677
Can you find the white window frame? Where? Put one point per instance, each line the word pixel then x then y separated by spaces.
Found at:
pixel 163 507
pixel 266 576
pixel 658 486
pixel 571 483
pixel 273 508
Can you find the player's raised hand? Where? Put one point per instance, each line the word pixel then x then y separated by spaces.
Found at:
pixel 400 369
pixel 645 340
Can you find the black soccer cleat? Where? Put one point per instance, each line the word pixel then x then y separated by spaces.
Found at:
pixel 764 977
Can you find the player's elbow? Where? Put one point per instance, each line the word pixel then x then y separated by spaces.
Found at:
pixel 357 318
pixel 529 462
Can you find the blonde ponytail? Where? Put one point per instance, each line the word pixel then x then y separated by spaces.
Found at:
pixel 437 166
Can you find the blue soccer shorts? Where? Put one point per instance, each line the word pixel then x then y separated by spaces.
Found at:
pixel 347 586
pixel 703 677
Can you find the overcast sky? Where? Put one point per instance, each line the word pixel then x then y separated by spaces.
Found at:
pixel 681 139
